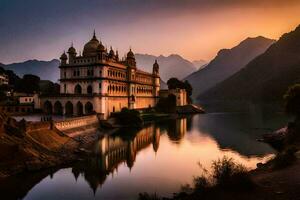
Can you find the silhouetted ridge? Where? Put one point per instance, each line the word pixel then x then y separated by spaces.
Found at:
pixel 265 78
pixel 226 63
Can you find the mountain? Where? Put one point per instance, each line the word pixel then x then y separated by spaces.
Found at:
pixel 163 85
pixel 170 66
pixel 226 63
pixel 199 64
pixel 46 70
pixel 265 78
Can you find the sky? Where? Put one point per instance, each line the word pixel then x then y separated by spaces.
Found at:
pixel 194 29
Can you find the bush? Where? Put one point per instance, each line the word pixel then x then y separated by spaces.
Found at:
pixel 201 183
pixel 226 174
pixel 146 196
pixel 129 118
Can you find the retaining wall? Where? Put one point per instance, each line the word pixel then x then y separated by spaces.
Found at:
pixel 76 122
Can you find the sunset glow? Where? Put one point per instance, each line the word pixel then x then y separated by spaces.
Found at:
pixel 193 29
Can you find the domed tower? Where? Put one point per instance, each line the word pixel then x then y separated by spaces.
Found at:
pixel 131 59
pixel 72 54
pixel 156 79
pixel 101 51
pixel 111 53
pixel 90 48
pixel 63 58
pixel 155 68
pixel 117 55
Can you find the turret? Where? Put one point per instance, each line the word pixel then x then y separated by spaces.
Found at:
pixel 111 53
pixel 72 54
pixel 130 59
pixel 63 58
pixel 156 79
pixel 155 68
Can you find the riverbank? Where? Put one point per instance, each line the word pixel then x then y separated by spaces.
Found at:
pixel 278 179
pixel 28 146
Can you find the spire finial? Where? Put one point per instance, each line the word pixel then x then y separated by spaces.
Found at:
pixel 72 44
pixel 94 33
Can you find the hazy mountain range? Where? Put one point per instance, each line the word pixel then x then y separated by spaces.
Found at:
pixel 226 63
pixel 200 64
pixel 265 78
pixel 170 66
pixel 46 70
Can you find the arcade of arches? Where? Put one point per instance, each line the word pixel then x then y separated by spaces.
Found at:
pixel 68 109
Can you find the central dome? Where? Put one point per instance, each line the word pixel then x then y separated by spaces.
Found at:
pixel 90 48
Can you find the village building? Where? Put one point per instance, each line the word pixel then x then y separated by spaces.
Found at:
pixel 3 79
pixel 98 81
pixel 180 94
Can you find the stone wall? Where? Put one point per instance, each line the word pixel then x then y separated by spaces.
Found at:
pixel 76 122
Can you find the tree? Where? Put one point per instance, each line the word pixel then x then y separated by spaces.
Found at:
pixel 292 101
pixel 174 83
pixel 167 105
pixel 28 84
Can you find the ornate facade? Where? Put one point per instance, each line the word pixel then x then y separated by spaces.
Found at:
pixel 99 81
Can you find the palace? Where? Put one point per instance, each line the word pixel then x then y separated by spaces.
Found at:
pixel 99 81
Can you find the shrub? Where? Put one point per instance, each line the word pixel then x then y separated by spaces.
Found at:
pixel 129 118
pixel 201 183
pixel 146 196
pixel 228 174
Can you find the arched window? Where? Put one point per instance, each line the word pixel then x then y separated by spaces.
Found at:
pixel 78 89
pixel 89 89
pixel 88 108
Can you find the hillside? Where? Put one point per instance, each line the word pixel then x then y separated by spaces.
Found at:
pixel 170 66
pixel 199 64
pixel 47 70
pixel 267 77
pixel 226 63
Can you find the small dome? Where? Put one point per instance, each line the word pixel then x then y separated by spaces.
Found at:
pixel 90 48
pixel 130 54
pixel 72 50
pixel 111 52
pixel 63 56
pixel 100 47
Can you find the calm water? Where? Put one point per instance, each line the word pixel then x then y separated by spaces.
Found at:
pixel 159 158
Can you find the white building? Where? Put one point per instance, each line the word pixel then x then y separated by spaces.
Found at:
pixel 99 81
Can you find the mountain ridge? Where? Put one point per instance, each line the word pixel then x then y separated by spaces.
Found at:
pixel 226 63
pixel 265 78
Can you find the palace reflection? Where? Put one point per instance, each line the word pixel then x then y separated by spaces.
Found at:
pixel 113 151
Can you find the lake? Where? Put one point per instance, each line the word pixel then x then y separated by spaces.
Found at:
pixel 159 158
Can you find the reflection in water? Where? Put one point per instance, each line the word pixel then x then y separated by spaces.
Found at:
pixel 158 158
pixel 111 152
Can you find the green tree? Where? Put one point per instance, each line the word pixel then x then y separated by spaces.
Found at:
pixel 292 101
pixel 28 84
pixel 174 83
